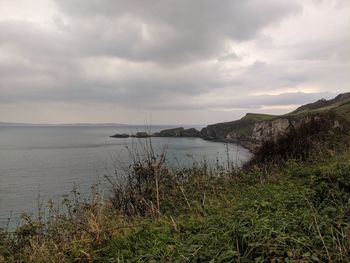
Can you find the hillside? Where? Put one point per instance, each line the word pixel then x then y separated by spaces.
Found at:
pixel 322 105
pixel 254 129
pixel 240 127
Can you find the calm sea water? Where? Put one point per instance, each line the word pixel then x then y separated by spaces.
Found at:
pixel 50 161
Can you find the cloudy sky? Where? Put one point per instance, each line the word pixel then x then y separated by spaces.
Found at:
pixel 168 61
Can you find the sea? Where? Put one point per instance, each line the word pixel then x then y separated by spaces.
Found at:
pixel 42 163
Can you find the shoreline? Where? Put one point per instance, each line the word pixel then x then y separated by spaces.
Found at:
pixel 189 133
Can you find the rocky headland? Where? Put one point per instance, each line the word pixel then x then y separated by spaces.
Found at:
pixel 174 132
pixel 254 129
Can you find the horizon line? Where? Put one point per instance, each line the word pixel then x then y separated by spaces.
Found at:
pixel 91 123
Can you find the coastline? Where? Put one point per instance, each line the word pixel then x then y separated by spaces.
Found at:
pixel 182 133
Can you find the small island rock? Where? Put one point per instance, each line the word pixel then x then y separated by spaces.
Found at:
pixel 124 135
pixel 141 135
pixel 178 132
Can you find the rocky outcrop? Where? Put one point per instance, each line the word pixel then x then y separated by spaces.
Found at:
pixel 192 132
pixel 270 130
pixel 254 129
pixel 175 132
pixel 178 132
pixel 222 131
pixel 248 132
pixel 136 135
pixel 124 135
pixel 214 132
pixel 275 129
pixel 252 133
pixel 140 135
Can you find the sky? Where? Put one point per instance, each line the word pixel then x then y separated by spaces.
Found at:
pixel 168 61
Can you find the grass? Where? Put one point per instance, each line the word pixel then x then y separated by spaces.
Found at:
pixel 324 105
pixel 241 128
pixel 274 220
pixel 297 213
pixel 258 117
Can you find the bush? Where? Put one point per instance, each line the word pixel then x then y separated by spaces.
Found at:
pixel 317 137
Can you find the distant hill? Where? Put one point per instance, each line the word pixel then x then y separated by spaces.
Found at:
pixel 14 124
pixel 253 129
pixel 63 124
pixel 339 104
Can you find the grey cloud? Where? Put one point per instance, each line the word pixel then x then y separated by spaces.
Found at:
pixel 251 102
pixel 164 55
pixel 39 80
pixel 29 38
pixel 169 31
pixel 338 49
pixel 297 98
pixel 229 57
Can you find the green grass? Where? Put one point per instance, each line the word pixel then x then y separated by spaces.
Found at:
pixel 242 127
pixel 323 105
pixel 274 220
pixel 255 117
pixel 296 213
pixel 344 110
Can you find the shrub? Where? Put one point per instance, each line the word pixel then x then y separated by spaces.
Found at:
pixel 317 137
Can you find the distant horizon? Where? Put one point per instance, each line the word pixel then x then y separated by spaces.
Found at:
pixel 156 124
pixel 92 124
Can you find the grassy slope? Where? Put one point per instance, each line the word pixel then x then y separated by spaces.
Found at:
pixel 340 105
pixel 298 212
pixel 344 110
pixel 240 127
pixel 302 217
pixel 325 104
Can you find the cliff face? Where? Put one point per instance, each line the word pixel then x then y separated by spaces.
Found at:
pixel 215 132
pixel 252 134
pixel 248 134
pixel 231 131
pixel 273 130
pixel 270 130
